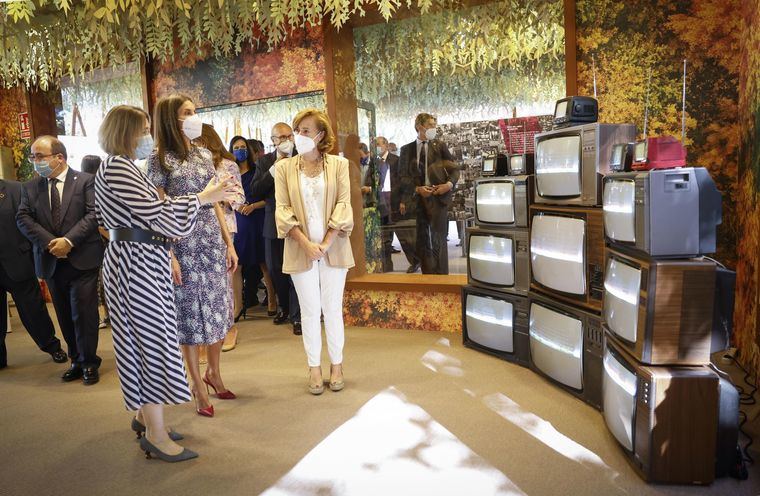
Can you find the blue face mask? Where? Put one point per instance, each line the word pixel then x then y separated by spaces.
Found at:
pixel 43 168
pixel 364 161
pixel 240 154
pixel 144 147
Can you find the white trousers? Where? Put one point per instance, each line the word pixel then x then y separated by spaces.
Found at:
pixel 320 292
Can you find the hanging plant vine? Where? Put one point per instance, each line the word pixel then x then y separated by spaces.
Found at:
pixel 44 40
pixel 506 51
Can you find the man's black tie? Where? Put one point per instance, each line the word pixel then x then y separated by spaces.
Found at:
pixel 55 204
pixel 423 162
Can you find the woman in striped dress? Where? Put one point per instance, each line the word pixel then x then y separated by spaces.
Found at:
pixel 137 276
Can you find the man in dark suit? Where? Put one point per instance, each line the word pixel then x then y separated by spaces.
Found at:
pixel 57 214
pixel 428 173
pixel 17 278
pixel 263 186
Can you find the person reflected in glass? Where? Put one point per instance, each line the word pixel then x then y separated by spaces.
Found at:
pixel 315 218
pixel 429 175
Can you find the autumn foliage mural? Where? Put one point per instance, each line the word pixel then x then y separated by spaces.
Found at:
pixel 625 40
pixel 295 66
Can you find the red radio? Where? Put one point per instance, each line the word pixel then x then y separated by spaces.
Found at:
pixel 662 152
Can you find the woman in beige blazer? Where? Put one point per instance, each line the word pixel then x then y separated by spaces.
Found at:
pixel 314 217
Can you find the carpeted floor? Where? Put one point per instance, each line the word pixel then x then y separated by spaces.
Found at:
pixel 420 415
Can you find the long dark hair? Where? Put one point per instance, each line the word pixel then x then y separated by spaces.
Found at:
pixel 90 164
pixel 167 130
pixel 211 141
pixel 251 150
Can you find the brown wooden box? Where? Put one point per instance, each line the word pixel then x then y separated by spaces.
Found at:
pixel 675 421
pixel 675 309
pixel 593 251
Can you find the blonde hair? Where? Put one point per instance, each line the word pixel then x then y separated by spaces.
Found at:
pixel 323 124
pixel 121 129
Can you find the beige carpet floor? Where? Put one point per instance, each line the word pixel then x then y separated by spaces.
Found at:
pixel 420 415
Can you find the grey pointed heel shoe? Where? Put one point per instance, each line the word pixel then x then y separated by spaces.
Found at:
pixel 140 431
pixel 151 450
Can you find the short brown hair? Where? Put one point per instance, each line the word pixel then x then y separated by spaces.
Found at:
pixel 323 124
pixel 56 146
pixel 121 129
pixel 166 128
pixel 211 141
pixel 421 119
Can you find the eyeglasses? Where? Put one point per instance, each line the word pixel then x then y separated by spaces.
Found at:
pixel 39 156
pixel 283 137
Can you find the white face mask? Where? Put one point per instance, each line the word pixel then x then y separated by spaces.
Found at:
pixel 192 126
pixel 286 147
pixel 304 144
pixel 431 133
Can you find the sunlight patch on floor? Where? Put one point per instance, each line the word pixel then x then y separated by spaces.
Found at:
pixel 392 447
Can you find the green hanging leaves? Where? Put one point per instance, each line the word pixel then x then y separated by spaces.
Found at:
pixel 43 40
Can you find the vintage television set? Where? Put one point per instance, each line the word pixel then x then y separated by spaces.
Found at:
pixel 498 259
pixel 496 323
pixel 570 163
pixel 575 110
pixel 672 422
pixel 503 201
pixel 660 152
pixel 566 347
pixel 660 310
pixel 520 164
pixel 493 165
pixel 567 254
pixel 621 157
pixel 663 213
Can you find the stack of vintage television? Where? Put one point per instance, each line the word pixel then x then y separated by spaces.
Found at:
pixel 591 272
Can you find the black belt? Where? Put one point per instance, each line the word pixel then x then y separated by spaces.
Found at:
pixel 133 235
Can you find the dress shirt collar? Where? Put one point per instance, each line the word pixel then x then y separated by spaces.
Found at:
pixel 62 176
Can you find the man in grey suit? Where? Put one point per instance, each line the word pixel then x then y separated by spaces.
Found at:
pixel 428 173
pixel 57 214
pixel 263 186
pixel 17 278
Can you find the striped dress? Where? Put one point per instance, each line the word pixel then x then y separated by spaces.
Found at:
pixel 138 283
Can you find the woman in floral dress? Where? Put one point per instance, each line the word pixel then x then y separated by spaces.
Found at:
pixel 200 261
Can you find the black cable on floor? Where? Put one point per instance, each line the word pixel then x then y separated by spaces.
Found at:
pixel 745 399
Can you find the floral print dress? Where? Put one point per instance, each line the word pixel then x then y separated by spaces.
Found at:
pixel 203 299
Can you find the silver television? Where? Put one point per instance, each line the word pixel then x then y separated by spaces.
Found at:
pixel 498 259
pixel 503 201
pixel 662 212
pixel 569 163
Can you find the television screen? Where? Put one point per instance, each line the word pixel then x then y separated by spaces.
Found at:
pixel 561 109
pixel 621 299
pixel 617 155
pixel 516 164
pixel 557 253
pixel 489 322
pixel 558 166
pixel 619 399
pixel 494 202
pixel 491 260
pixel 640 151
pixel 618 199
pixel 488 164
pixel 556 345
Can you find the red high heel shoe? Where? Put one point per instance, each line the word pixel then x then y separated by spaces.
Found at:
pixel 203 412
pixel 224 395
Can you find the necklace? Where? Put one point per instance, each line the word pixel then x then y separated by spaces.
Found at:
pixel 311 169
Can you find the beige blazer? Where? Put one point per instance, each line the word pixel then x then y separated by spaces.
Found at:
pixel 290 212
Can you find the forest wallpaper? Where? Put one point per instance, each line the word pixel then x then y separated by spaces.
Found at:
pixel 408 310
pixel 746 321
pixel 624 40
pixel 295 66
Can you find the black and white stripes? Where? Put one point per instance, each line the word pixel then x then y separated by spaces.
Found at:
pixel 137 280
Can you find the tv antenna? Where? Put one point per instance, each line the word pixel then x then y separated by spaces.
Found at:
pixel 683 106
pixel 593 70
pixel 646 106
